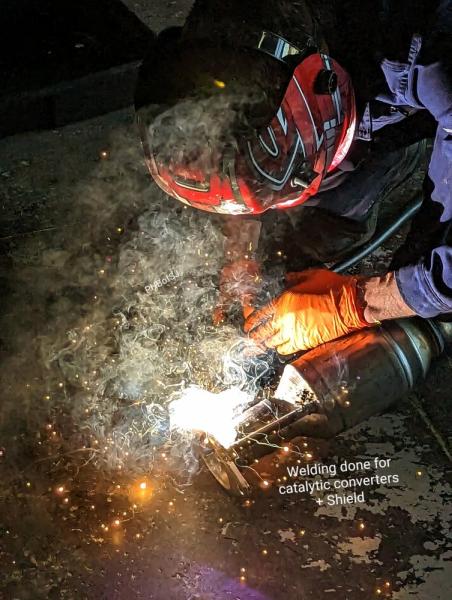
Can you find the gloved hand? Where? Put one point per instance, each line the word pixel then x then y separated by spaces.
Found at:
pixel 319 306
pixel 239 282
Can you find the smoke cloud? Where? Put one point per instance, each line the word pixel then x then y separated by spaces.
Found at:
pixel 106 357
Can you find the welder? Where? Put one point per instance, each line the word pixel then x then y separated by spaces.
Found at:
pixel 254 108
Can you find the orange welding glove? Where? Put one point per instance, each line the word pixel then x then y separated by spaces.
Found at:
pixel 319 306
pixel 239 282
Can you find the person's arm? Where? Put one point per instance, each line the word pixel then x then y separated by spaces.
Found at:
pixel 240 275
pixel 423 288
pixel 426 287
pixel 241 237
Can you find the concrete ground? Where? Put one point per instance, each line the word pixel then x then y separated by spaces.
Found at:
pixel 80 516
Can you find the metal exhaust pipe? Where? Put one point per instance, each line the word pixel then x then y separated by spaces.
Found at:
pixel 345 381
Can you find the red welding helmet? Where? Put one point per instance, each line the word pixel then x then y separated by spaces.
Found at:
pixel 282 164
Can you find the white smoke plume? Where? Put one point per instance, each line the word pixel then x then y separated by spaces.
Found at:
pixel 111 347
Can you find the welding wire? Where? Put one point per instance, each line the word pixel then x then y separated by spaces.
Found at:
pixel 407 214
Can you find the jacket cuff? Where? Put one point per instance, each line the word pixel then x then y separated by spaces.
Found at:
pixel 417 291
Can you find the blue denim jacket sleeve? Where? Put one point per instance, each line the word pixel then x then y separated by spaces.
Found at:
pixel 427 285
